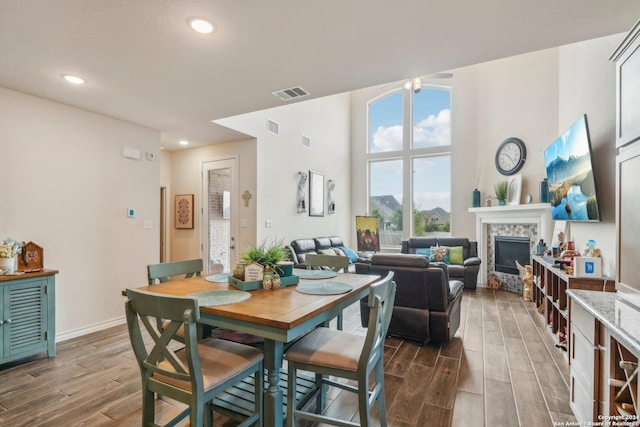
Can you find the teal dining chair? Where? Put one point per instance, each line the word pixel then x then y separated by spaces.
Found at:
pixel 198 371
pixel 331 262
pixel 331 353
pixel 164 271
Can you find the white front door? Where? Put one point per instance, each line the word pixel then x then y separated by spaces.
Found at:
pixel 219 214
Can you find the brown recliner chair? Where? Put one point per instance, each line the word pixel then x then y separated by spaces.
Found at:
pixel 427 304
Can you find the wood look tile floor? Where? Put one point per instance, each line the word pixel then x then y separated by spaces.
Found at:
pixel 501 369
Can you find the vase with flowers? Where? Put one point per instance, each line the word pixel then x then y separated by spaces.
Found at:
pixel 9 250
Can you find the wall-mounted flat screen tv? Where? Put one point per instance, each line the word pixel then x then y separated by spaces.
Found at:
pixel 572 189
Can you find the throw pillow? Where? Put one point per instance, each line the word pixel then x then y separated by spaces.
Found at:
pixel 424 251
pixel 327 252
pixel 456 255
pixel 339 252
pixel 353 256
pixel 440 254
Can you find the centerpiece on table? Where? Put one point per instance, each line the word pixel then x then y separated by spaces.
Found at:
pixel 262 265
pixel 9 250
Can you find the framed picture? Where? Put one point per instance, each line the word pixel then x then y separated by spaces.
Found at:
pixel 367 233
pixel 514 183
pixel 316 194
pixel 331 196
pixel 184 211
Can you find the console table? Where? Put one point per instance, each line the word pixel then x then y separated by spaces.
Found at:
pixel 27 315
pixel 550 292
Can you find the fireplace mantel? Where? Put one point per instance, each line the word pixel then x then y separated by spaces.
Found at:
pixel 534 213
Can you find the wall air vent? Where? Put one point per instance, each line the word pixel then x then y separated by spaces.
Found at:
pixel 291 93
pixel 273 127
pixel 306 141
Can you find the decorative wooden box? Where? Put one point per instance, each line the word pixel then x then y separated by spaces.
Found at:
pixel 257 284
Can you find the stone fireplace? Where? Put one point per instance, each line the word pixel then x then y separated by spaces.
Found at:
pixel 532 221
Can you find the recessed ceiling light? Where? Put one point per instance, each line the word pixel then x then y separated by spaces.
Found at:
pixel 183 142
pixel 202 26
pixel 73 79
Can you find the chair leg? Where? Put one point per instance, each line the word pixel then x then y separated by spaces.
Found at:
pixel 291 394
pixel 382 409
pixel 208 414
pixel 148 406
pixel 339 321
pixel 259 395
pixel 363 403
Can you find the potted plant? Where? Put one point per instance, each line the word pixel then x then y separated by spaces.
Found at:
pixel 267 254
pixel 501 190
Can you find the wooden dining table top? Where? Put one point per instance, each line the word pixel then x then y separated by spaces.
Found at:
pixel 283 308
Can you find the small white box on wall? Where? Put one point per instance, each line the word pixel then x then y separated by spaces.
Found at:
pixel 587 266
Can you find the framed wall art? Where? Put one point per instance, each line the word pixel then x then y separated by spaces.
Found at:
pixel 184 211
pixel 331 196
pixel 316 194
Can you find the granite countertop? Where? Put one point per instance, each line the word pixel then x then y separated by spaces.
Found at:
pixel 621 318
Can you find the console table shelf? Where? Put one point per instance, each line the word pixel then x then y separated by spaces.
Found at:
pixel 550 292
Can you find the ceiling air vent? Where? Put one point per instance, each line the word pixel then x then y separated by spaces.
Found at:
pixel 306 141
pixel 273 127
pixel 291 93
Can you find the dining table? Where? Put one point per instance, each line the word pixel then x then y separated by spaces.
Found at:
pixel 279 316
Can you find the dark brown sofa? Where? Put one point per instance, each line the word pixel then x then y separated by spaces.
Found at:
pixel 427 304
pixel 467 273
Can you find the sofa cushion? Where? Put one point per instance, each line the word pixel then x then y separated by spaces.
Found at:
pixel 456 255
pixel 353 256
pixel 440 253
pixel 329 251
pixel 304 245
pixel 322 243
pixel 424 251
pixel 456 271
pixel 336 241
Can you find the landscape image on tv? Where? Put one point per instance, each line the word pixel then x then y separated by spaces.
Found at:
pixel 572 190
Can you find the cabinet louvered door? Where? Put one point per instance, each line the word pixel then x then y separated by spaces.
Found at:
pixel 25 318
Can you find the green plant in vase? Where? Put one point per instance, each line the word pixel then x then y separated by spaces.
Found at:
pixel 501 191
pixel 267 254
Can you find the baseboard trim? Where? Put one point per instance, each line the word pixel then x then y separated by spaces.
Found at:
pixel 90 329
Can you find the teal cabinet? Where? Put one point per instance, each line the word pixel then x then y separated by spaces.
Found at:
pixel 27 315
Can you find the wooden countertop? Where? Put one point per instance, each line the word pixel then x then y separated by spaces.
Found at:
pixel 21 275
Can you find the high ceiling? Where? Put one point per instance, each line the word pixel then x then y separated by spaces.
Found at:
pixel 142 63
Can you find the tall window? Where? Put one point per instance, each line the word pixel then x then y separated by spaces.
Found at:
pixel 409 157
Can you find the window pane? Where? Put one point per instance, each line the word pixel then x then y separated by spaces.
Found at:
pixel 385 124
pixel 431 118
pixel 431 196
pixel 385 199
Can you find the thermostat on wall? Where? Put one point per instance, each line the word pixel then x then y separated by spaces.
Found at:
pixel 131 213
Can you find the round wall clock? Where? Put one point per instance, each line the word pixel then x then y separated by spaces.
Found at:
pixel 510 156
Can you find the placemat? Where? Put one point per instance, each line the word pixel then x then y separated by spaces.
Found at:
pixel 316 274
pixel 211 298
pixel 219 278
pixel 324 288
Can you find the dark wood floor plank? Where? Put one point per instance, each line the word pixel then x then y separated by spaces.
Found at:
pixel 442 389
pixel 402 359
pixel 434 416
pixel 410 395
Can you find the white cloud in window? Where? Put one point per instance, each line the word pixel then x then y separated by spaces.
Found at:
pixel 434 130
pixel 387 139
pixel 430 200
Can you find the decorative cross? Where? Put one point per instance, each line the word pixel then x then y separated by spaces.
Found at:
pixel 246 196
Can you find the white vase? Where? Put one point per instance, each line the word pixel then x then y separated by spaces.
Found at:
pixel 8 265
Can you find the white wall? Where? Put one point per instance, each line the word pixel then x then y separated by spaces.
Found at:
pixel 327 121
pixel 65 186
pixel 587 86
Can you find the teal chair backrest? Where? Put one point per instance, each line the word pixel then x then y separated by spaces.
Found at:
pixel 163 272
pixel 334 262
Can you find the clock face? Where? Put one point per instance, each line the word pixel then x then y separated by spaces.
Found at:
pixel 510 156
